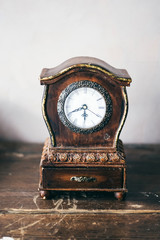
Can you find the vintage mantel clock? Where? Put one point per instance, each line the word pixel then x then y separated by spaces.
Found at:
pixel 84 107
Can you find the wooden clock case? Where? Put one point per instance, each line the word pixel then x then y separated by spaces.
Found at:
pixel 74 161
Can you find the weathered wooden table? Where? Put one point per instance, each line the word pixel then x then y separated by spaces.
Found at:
pixel 78 215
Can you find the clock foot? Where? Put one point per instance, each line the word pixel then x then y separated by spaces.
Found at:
pixel 45 194
pixel 119 195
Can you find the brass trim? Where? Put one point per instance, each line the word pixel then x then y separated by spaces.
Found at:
pixel 93 67
pixel 124 93
pixel 83 179
pixel 45 115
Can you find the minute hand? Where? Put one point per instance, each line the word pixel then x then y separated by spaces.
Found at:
pixel 94 113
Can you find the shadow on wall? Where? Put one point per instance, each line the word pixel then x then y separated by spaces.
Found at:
pixel 18 124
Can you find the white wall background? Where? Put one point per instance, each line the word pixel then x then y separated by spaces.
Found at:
pixel 43 33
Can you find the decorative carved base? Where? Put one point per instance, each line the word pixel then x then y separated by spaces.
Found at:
pixel 52 156
pixel 82 169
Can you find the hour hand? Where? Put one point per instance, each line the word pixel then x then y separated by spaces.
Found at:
pixel 75 110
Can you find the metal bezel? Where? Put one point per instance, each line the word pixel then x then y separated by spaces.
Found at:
pixel 74 86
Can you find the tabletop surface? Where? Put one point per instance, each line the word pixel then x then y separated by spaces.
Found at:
pixel 78 215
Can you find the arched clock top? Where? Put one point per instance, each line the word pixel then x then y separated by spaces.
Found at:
pixel 52 75
pixel 84 120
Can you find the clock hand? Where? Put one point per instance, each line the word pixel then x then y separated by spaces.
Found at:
pixel 84 115
pixel 76 110
pixel 94 113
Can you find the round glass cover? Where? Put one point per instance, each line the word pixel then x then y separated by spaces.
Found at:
pixel 84 106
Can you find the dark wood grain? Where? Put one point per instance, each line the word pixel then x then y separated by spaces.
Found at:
pixel 81 226
pixel 58 178
pixel 78 215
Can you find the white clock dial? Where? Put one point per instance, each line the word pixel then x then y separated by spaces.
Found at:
pixel 85 107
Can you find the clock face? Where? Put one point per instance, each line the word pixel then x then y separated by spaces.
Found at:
pixel 84 107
